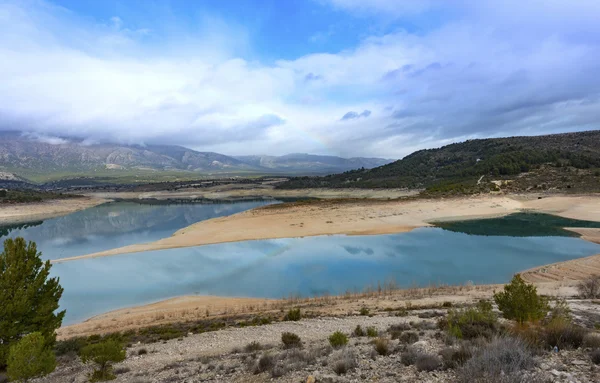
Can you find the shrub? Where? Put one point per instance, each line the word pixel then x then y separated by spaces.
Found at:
pixel 265 363
pixel 69 346
pixel 28 296
pixel 455 357
pixel 520 301
pixel 338 339
pixel 473 322
pixel 358 331
pixel 409 357
pixel 372 332
pixel 502 360
pixel 30 358
pixel 253 346
pixel 589 288
pixel 595 356
pixel 290 340
pixel 293 315
pixel 591 340
pixel 396 330
pixel 343 361
pixel 447 304
pixel 563 334
pixel 382 346
pixel 364 311
pixel 103 354
pixel 427 362
pixel 560 310
pixel 409 337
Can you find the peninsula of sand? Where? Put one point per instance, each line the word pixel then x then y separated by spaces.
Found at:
pixel 28 212
pixel 362 217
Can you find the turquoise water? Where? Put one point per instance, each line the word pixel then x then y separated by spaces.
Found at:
pixel 268 268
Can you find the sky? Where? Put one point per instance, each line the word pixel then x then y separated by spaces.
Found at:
pixel 379 78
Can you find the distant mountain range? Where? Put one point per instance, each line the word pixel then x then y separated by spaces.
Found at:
pixel 22 154
pixel 462 164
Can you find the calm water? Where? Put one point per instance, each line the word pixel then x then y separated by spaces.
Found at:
pixel 270 268
pixel 117 224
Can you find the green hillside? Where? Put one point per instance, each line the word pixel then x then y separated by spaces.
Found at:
pixel 464 163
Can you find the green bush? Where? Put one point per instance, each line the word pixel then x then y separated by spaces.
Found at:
pixel 28 296
pixel 358 331
pixel 338 339
pixel 290 340
pixel 472 322
pixel 364 311
pixel 30 358
pixel 293 315
pixel 103 354
pixel 69 346
pixel 520 301
pixel 372 332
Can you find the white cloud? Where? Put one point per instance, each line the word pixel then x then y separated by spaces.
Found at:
pixel 481 75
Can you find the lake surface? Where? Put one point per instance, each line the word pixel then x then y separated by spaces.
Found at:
pixel 272 268
pixel 117 224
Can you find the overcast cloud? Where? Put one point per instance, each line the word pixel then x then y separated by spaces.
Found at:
pixel 484 69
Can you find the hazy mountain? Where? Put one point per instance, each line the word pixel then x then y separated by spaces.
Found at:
pixel 300 162
pixel 470 160
pixel 19 153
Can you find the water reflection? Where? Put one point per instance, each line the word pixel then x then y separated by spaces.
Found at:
pixel 117 224
pixel 305 266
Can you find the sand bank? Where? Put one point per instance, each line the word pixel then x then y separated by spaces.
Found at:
pixel 26 212
pixel 356 217
pixel 194 308
pixel 180 309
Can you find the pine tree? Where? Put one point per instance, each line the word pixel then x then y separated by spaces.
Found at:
pixel 28 297
pixel 30 358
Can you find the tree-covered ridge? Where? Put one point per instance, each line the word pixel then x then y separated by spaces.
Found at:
pixel 468 160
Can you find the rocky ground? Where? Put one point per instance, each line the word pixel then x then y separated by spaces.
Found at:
pixel 257 354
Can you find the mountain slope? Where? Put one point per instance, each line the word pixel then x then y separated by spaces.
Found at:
pixel 298 162
pixel 23 154
pixel 497 157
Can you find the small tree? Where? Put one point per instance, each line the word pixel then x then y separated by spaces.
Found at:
pixel 103 354
pixel 30 358
pixel 28 297
pixel 589 288
pixel 520 301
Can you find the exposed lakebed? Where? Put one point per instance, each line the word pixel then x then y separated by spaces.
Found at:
pixel 281 267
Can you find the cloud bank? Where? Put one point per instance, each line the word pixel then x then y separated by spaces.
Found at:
pixel 486 69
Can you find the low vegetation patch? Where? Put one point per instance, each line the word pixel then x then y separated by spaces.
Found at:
pixel 503 360
pixel 293 315
pixel 343 361
pixel 358 331
pixel 372 332
pixel 338 339
pixel 428 362
pixel 290 340
pixel 382 346
pixel 472 322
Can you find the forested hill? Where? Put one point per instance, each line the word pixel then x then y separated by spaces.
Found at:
pixel 496 157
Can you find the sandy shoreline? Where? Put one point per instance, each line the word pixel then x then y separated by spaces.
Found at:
pixel 356 217
pixel 19 213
